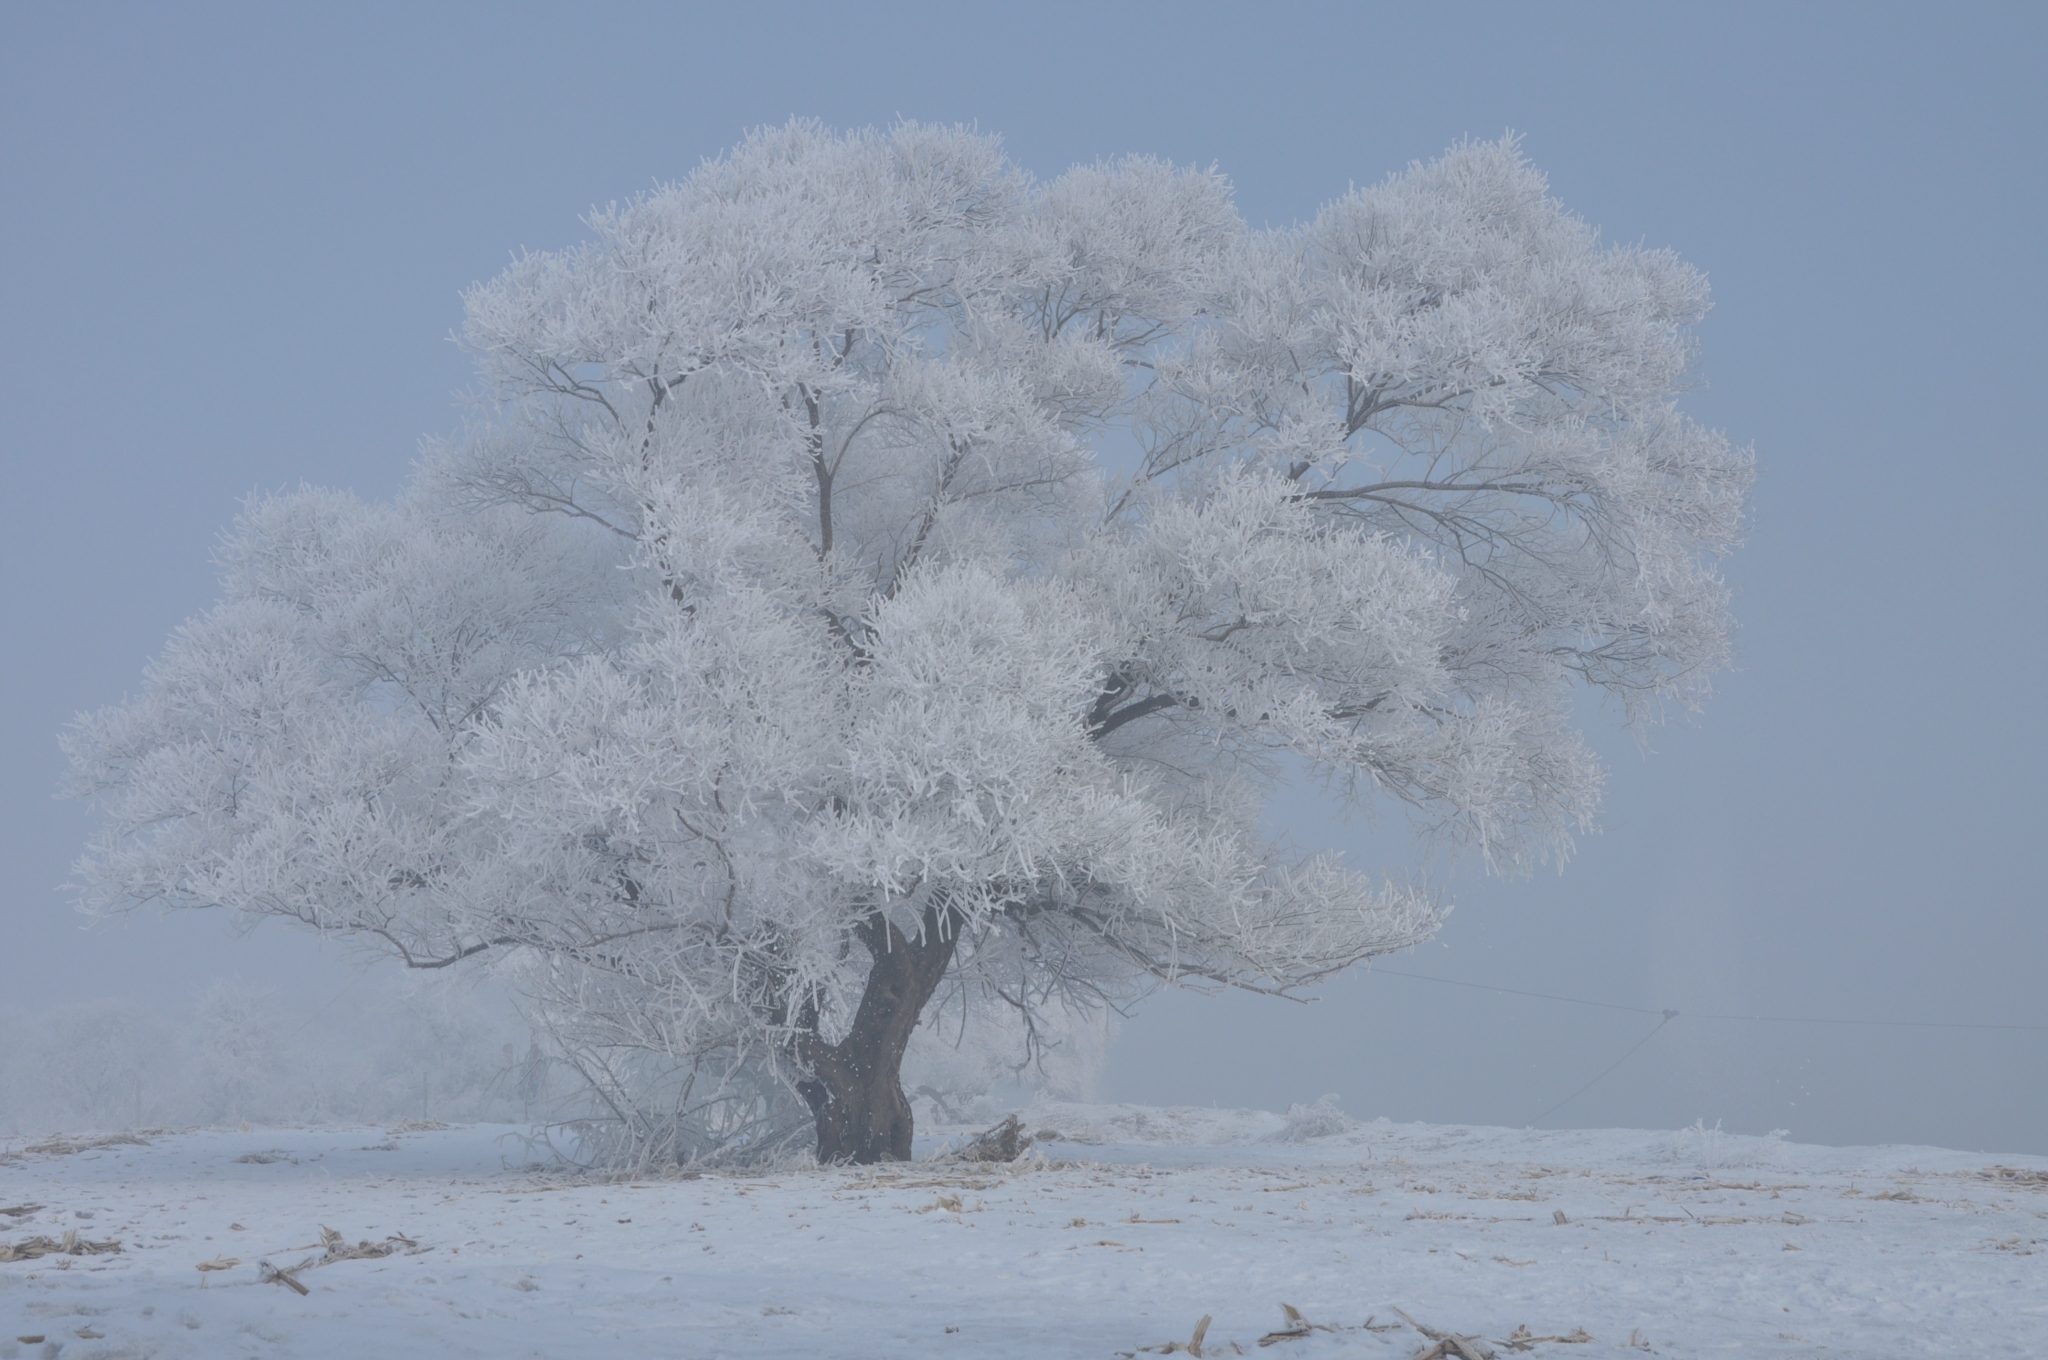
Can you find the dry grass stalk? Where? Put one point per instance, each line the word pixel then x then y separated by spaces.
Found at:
pixel 1297 1327
pixel 32 1248
pixel 961 1182
pixel 1192 1346
pixel 1006 1142
pixel 2019 1177
pixel 1522 1339
pixel 1449 1345
pixel 1450 1348
pixel 217 1263
pixel 64 1147
pixel 335 1247
pixel 270 1274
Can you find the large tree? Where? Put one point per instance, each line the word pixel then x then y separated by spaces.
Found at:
pixel 871 571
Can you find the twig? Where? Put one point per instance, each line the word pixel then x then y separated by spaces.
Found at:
pixel 270 1274
pixel 1448 1344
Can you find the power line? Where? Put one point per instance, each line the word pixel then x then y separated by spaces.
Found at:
pixel 1890 1024
pixel 1669 1016
pixel 346 987
pixel 1511 991
pixel 1704 1015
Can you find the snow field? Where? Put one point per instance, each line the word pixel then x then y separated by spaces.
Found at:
pixel 1115 1237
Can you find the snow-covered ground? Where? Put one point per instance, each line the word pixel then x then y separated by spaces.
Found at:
pixel 1116 1237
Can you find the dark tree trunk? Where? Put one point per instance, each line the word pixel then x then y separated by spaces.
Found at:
pixel 854 1088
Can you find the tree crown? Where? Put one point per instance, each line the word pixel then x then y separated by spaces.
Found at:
pixel 861 541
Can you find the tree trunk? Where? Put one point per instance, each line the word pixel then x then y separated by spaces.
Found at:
pixel 854 1088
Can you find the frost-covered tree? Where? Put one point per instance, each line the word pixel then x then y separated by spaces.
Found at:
pixel 871 572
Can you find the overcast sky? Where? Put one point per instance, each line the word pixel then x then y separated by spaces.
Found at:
pixel 232 241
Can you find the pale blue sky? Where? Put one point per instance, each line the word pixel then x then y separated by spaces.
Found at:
pixel 232 240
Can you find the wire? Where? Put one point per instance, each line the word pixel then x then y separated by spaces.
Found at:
pixel 1894 1024
pixel 1543 996
pixel 345 989
pixel 1703 1015
pixel 1669 1016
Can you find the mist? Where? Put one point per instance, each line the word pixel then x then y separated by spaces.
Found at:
pixel 234 244
pixel 384 1049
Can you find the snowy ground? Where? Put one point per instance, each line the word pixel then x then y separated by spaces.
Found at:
pixel 1137 1224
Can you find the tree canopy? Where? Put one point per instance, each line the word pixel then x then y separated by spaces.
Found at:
pixel 870 573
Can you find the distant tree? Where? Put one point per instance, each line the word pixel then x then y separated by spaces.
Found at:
pixel 871 572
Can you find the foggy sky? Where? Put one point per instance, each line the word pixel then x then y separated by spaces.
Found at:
pixel 232 242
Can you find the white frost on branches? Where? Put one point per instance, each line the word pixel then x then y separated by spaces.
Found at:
pixel 782 584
